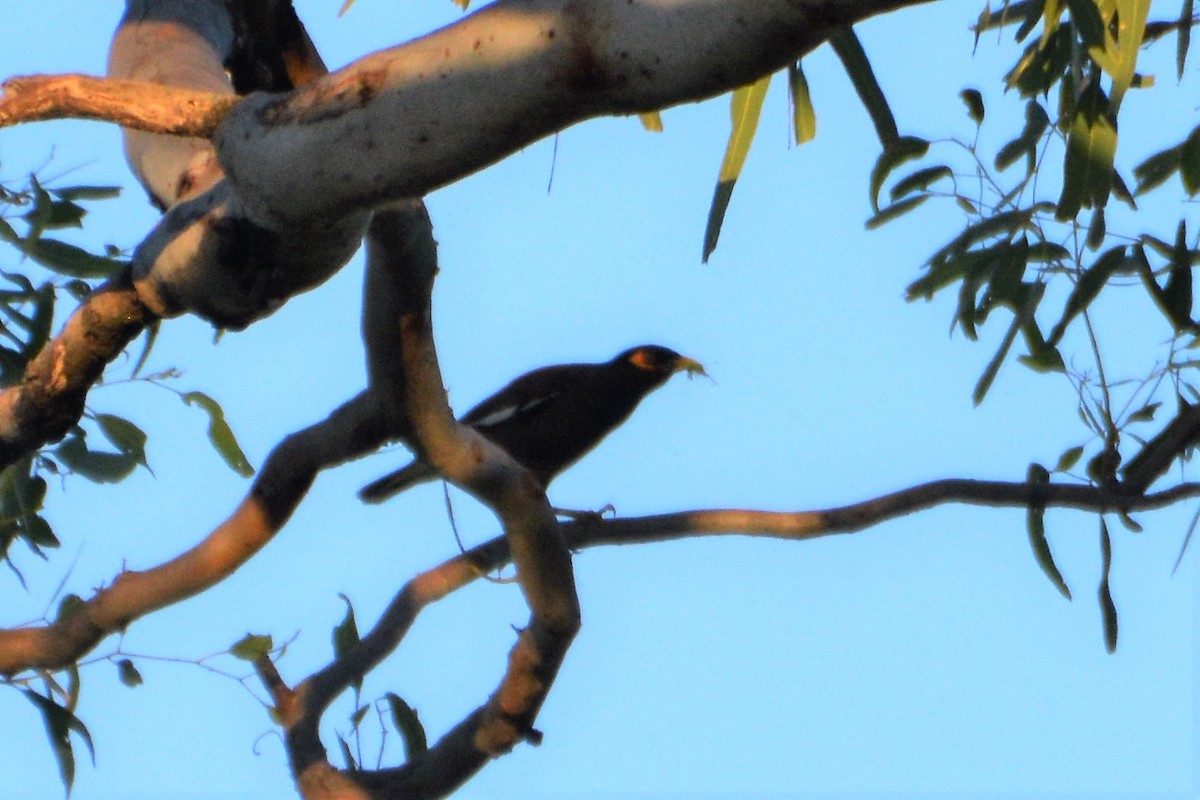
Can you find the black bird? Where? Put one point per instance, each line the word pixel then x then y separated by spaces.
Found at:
pixel 550 418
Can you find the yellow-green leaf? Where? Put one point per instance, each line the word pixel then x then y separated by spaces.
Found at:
pixel 1091 146
pixel 744 111
pixel 804 116
pixel 652 121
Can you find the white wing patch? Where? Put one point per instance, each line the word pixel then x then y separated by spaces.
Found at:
pixel 502 415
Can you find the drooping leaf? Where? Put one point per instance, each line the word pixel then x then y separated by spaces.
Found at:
pixel 1093 279
pixel 252 647
pixel 652 121
pixel 1130 32
pixel 60 724
pixel 895 210
pixel 1108 609
pixel 151 337
pixel 904 149
pixel 849 51
pixel 129 673
pixel 408 724
pixel 804 116
pixel 745 108
pixel 1086 16
pixel 1036 526
pixel 1184 40
pixel 993 367
pixel 345 636
pixel 351 764
pixel 974 102
pixel 1091 147
pixel 220 434
pixel 1177 294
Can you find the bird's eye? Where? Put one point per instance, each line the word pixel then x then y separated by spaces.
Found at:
pixel 642 360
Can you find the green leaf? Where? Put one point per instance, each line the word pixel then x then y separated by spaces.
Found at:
pixel 1145 413
pixel 974 102
pixel 151 337
pixel 1068 460
pixel 129 673
pixel 902 150
pixel 60 723
pixel 345 637
pixel 351 764
pixel 1036 123
pixel 1035 524
pixel 97 467
pixel 1177 294
pixel 745 108
pixel 67 259
pixel 345 634
pixel 87 192
pixel 804 116
pixel 850 52
pixel 920 180
pixel 1108 609
pixel 405 718
pixel 1086 17
pixel 1130 32
pixel 252 647
pixel 1157 168
pixel 124 435
pixel 70 604
pixel 895 210
pixel 1091 146
pixel 1189 162
pixel 652 121
pixel 993 367
pixel 55 214
pixel 1093 279
pixel 220 434
pixel 1185 36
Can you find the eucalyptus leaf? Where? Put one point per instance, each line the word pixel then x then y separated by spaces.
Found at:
pixel 220 434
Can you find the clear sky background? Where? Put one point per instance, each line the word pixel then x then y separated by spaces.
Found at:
pixel 925 656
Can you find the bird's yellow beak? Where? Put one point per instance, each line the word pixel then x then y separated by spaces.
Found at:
pixel 690 366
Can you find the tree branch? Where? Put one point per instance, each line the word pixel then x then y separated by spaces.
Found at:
pixel 51 395
pixel 453 760
pixel 349 432
pixel 142 105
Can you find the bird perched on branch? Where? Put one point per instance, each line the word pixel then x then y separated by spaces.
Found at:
pixel 550 418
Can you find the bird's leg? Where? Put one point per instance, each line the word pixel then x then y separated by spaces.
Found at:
pixel 589 518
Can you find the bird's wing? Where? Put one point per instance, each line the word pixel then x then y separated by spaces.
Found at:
pixel 527 396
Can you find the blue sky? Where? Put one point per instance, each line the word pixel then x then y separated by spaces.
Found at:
pixel 928 655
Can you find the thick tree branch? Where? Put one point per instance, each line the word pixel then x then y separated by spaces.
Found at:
pixel 350 432
pixel 436 109
pixel 50 397
pixel 133 104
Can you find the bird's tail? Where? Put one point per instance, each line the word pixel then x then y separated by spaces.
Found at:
pixel 395 482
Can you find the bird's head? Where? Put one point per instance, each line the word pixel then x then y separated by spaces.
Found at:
pixel 660 361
